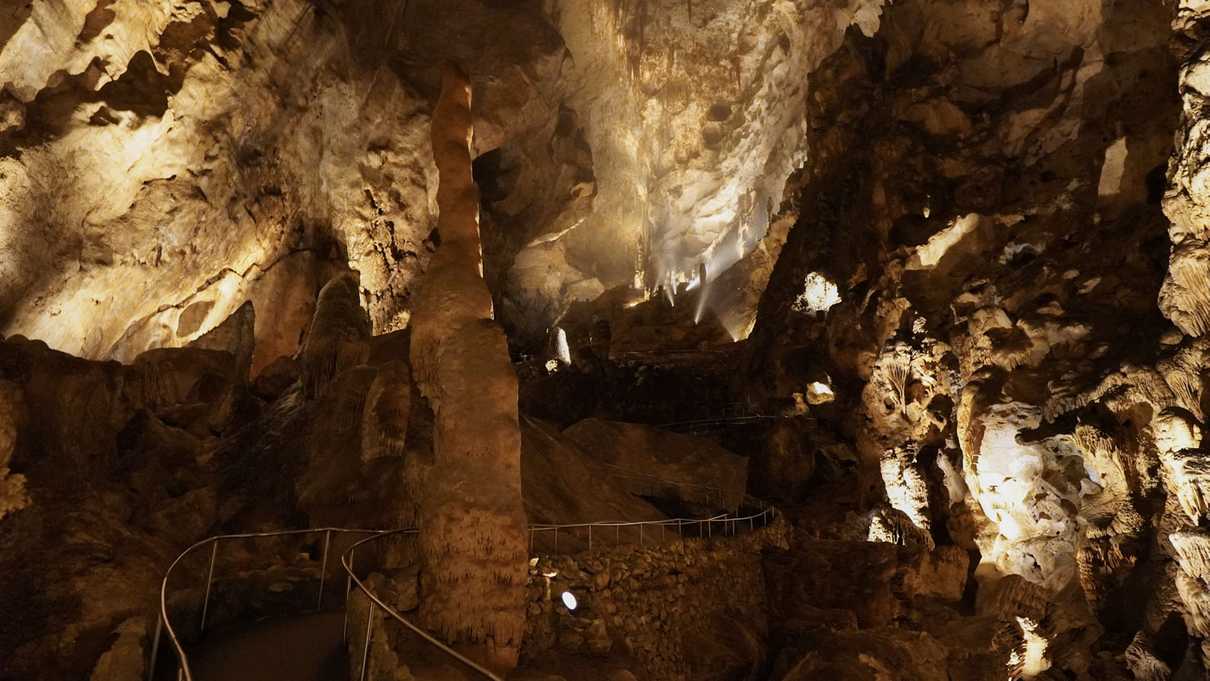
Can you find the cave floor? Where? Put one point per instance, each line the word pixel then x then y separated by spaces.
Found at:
pixel 305 648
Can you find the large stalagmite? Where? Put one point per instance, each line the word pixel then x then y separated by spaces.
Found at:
pixel 975 384
pixel 472 519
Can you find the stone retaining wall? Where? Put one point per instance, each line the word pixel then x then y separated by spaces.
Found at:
pixel 672 609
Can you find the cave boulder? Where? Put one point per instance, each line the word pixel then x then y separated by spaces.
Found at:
pixel 655 463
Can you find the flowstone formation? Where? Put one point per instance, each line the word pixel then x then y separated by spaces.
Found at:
pixel 694 113
pixel 471 516
pixel 931 277
pixel 1012 388
pixel 263 146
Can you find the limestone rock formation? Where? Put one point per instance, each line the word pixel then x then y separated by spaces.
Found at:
pixel 13 496
pixel 473 543
pixel 388 408
pixel 932 277
pixel 669 466
pixel 236 335
pixel 556 474
pixel 336 338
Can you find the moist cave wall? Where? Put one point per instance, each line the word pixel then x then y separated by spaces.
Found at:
pixel 850 339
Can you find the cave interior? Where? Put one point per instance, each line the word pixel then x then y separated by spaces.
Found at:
pixel 604 340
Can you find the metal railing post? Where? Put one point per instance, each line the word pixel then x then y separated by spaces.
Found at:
pixel 365 655
pixel 209 579
pixel 348 590
pixel 348 561
pixel 155 647
pixel 531 540
pixel 323 570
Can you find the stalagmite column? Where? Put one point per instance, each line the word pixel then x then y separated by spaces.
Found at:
pixel 472 520
pixel 334 341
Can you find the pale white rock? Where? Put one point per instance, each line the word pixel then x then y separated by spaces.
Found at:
pixel 906 486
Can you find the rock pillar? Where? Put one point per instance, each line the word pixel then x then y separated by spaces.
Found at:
pixel 472 519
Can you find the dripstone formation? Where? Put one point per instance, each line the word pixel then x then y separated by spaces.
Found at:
pixel 924 283
pixel 473 538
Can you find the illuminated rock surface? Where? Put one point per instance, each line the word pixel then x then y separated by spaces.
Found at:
pixel 473 546
pixel 930 277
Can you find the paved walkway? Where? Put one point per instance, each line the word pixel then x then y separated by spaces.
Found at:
pixel 307 648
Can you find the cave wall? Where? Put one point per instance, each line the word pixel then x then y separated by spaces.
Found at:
pixel 166 162
pixel 993 212
pixel 1010 241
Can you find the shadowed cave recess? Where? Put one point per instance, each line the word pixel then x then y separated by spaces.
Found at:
pixel 604 340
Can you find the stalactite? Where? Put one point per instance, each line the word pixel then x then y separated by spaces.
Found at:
pixel 906 487
pixel 471 516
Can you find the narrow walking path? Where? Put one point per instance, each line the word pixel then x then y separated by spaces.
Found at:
pixel 311 647
pixel 305 648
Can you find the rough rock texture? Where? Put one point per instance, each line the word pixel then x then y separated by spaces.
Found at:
pixel 236 335
pixel 623 142
pixel 896 614
pixel 110 470
pixel 13 496
pixel 116 466
pixel 556 473
pixel 1183 297
pixel 678 126
pixel 335 338
pixel 654 611
pixel 473 543
pixel 966 248
pixel 259 144
pixel 228 120
pixel 689 180
pixel 986 197
pixel 663 465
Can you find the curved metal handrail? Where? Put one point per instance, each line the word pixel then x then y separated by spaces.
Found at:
pixel 766 512
pixel 184 671
pixel 163 623
pixel 728 521
pixel 346 560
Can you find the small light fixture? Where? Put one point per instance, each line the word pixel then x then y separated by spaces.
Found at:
pixel 569 600
pixel 561 347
